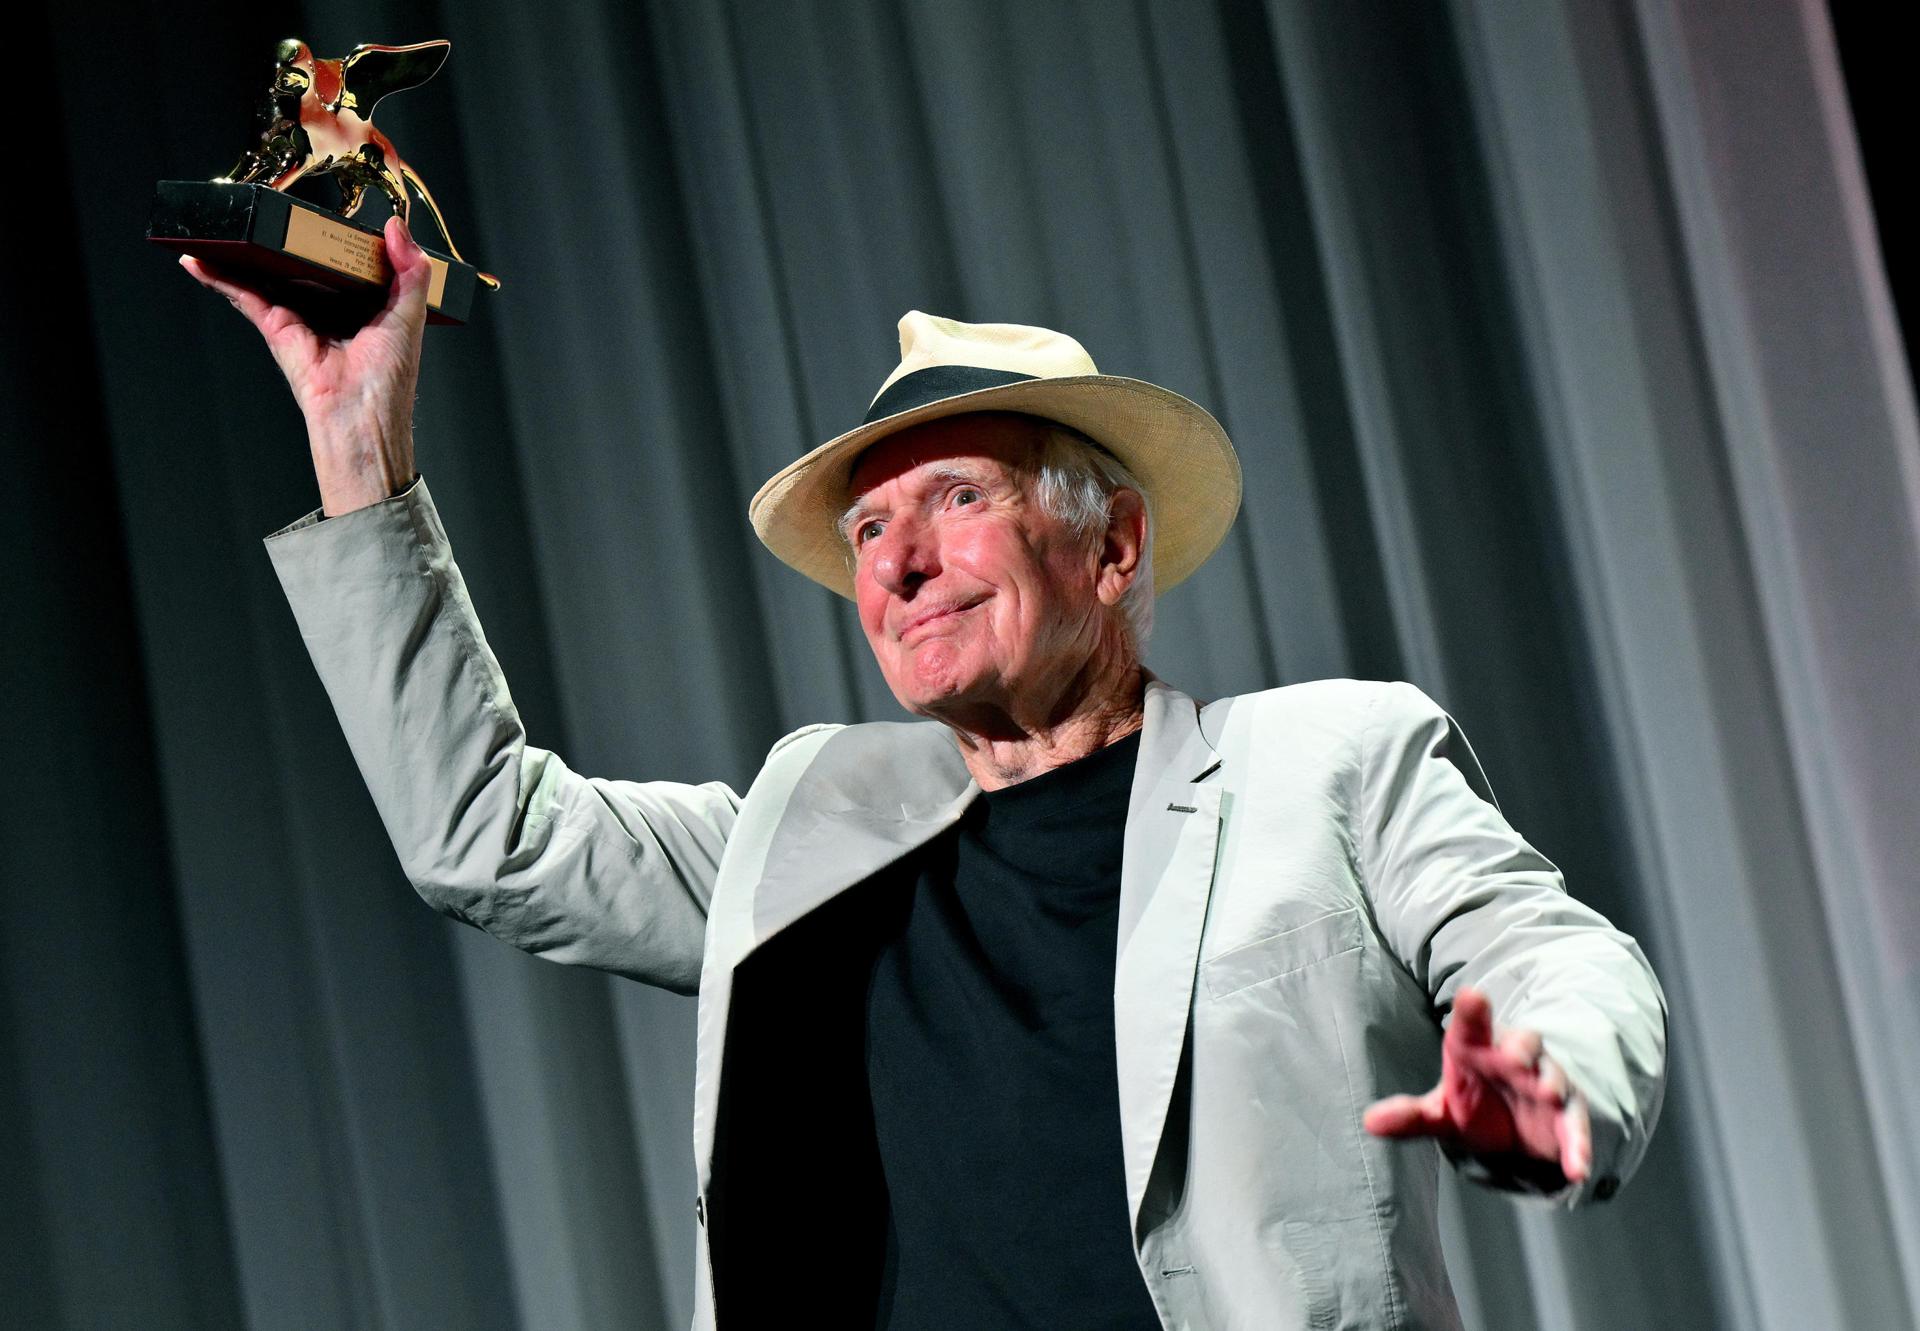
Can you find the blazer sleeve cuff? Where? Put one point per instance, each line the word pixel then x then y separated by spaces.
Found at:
pixel 414 495
pixel 1515 1173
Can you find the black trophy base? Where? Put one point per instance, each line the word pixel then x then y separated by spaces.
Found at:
pixel 330 268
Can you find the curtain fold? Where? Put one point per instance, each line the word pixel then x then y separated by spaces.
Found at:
pixel 1557 348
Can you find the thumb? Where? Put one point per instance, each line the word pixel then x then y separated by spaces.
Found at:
pixel 412 273
pixel 1406 1115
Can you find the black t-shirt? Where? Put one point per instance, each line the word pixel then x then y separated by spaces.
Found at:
pixel 990 1063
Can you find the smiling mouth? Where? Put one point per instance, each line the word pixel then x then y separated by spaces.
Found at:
pixel 936 618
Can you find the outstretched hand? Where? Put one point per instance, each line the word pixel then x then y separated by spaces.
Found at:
pixel 355 387
pixel 1497 1096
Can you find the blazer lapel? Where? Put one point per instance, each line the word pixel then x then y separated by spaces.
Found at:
pixel 869 795
pixel 872 794
pixel 1174 821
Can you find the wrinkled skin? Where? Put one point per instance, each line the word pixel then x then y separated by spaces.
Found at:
pixel 985 611
pixel 1025 655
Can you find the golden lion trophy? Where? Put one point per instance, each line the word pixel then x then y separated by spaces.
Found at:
pixel 317 120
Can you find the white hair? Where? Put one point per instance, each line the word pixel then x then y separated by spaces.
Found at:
pixel 1075 480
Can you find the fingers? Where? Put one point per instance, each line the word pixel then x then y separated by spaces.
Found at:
pixel 1515 1070
pixel 1521 1046
pixel 1575 1132
pixel 1551 1079
pixel 1472 1023
pixel 245 299
pixel 406 298
pixel 1468 1055
pixel 1407 1115
pixel 1496 1093
pixel 1471 1050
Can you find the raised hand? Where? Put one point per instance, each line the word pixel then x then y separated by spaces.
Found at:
pixel 356 387
pixel 1496 1096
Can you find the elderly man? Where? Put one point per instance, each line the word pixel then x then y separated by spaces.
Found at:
pixel 1083 1005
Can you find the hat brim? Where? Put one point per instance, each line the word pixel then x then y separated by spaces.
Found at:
pixel 1181 456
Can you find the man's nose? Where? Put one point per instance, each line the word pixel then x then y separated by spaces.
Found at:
pixel 905 556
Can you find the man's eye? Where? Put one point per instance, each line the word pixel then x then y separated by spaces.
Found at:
pixel 966 495
pixel 867 531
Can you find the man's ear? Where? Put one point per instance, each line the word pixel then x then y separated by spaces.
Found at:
pixel 1122 546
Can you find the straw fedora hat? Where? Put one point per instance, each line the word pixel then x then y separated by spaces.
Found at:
pixel 1180 454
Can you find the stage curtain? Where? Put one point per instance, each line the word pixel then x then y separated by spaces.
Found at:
pixel 1560 358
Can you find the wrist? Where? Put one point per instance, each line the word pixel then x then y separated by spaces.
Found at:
pixel 338 502
pixel 357 469
pixel 344 488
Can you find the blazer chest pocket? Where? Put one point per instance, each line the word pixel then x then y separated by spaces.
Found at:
pixel 1283 953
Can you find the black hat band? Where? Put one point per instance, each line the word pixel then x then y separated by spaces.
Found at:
pixel 935 383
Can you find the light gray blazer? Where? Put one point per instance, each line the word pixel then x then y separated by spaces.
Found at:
pixel 1310 873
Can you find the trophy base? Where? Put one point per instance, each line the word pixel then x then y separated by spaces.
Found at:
pixel 318 262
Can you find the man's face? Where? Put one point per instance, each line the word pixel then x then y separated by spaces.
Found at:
pixel 969 593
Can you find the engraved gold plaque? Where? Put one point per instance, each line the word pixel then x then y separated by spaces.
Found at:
pixel 348 249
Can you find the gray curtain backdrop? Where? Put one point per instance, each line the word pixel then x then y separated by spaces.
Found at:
pixel 1557 347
